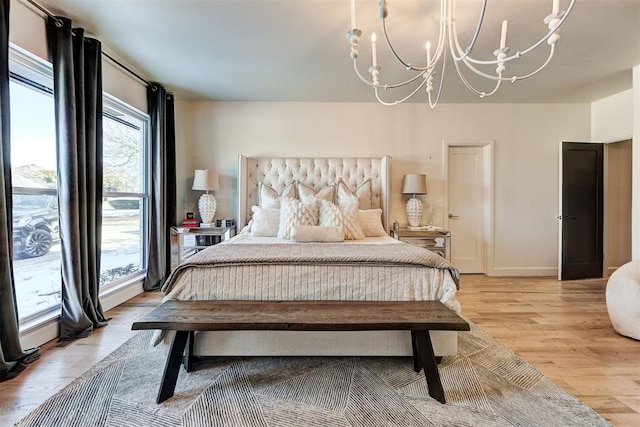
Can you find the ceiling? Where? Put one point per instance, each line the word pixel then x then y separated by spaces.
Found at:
pixel 297 50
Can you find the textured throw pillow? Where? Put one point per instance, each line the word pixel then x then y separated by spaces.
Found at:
pixel 362 193
pixel 306 194
pixel 293 212
pixel 352 229
pixel 265 221
pixel 371 222
pixel 269 198
pixel 330 215
pixel 313 233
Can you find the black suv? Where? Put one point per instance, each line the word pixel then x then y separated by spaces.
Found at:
pixel 35 224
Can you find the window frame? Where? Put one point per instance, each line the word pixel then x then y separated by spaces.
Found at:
pixel 36 73
pixel 111 103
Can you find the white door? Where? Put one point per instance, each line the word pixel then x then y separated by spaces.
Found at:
pixel 466 198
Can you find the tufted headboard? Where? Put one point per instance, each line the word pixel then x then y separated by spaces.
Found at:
pixel 316 173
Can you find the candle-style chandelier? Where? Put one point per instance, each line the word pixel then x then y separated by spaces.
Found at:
pixel 422 76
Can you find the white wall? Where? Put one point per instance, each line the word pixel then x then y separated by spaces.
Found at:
pixel 526 156
pixel 617 118
pixel 612 118
pixel 635 184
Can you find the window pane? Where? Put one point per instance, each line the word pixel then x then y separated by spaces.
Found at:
pixel 121 238
pixel 123 250
pixel 123 155
pixel 35 210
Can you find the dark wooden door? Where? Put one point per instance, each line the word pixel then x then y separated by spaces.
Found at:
pixel 582 210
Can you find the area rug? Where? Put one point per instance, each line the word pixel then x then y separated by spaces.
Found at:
pixel 486 384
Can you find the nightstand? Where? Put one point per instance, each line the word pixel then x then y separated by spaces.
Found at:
pixel 187 241
pixel 438 241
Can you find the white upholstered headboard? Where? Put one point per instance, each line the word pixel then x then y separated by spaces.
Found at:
pixel 316 173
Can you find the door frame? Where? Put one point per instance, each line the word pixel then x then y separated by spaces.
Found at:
pixel 605 144
pixel 488 201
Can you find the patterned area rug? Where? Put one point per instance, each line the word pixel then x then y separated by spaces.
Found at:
pixel 486 384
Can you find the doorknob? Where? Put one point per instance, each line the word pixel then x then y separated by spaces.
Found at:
pixel 453 216
pixel 569 217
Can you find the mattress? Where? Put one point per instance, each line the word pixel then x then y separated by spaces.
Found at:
pixel 265 268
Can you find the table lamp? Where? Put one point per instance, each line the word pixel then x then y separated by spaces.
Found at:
pixel 205 180
pixel 414 184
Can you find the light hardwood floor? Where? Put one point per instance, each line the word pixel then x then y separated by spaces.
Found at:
pixel 562 328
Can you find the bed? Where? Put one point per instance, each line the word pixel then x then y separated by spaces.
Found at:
pixel 252 267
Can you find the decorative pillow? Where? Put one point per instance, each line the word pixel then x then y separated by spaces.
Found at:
pixel 352 229
pixel 313 233
pixel 269 198
pixel 307 194
pixel 293 212
pixel 265 221
pixel 371 222
pixel 363 194
pixel 330 215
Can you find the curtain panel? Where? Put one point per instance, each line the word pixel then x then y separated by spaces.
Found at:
pixel 12 358
pixel 162 202
pixel 77 80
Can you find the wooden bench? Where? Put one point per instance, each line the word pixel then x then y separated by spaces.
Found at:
pixel 186 317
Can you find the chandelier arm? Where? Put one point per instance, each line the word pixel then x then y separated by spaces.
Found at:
pixel 518 78
pixel 513 79
pixel 393 51
pixel 518 54
pixel 473 89
pixel 400 101
pixel 453 28
pixel 441 35
pixel 387 86
pixel 365 81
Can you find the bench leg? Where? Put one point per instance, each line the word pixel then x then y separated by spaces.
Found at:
pixel 188 356
pixel 428 360
pixel 416 357
pixel 172 366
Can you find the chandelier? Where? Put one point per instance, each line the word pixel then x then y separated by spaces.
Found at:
pixel 422 76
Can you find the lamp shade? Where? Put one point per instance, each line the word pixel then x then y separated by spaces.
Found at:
pixel 414 183
pixel 205 180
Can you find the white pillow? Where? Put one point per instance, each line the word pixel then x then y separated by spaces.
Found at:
pixel 362 193
pixel 265 221
pixel 330 215
pixel 306 194
pixel 313 233
pixel 371 222
pixel 293 212
pixel 352 229
pixel 269 198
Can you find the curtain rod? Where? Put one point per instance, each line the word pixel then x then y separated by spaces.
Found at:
pixel 111 58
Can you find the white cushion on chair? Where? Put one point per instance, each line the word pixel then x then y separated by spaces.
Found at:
pixel 623 299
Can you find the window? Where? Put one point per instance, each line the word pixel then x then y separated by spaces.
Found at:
pixel 125 192
pixel 36 239
pixel 36 243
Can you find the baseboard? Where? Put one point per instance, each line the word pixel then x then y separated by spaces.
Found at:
pixel 525 271
pixel 45 331
pixel 46 328
pixel 117 295
pixel 610 270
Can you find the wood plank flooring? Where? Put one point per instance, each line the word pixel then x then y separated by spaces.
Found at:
pixel 562 328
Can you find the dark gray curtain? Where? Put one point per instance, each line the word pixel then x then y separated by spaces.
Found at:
pixel 12 358
pixel 77 87
pixel 162 202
